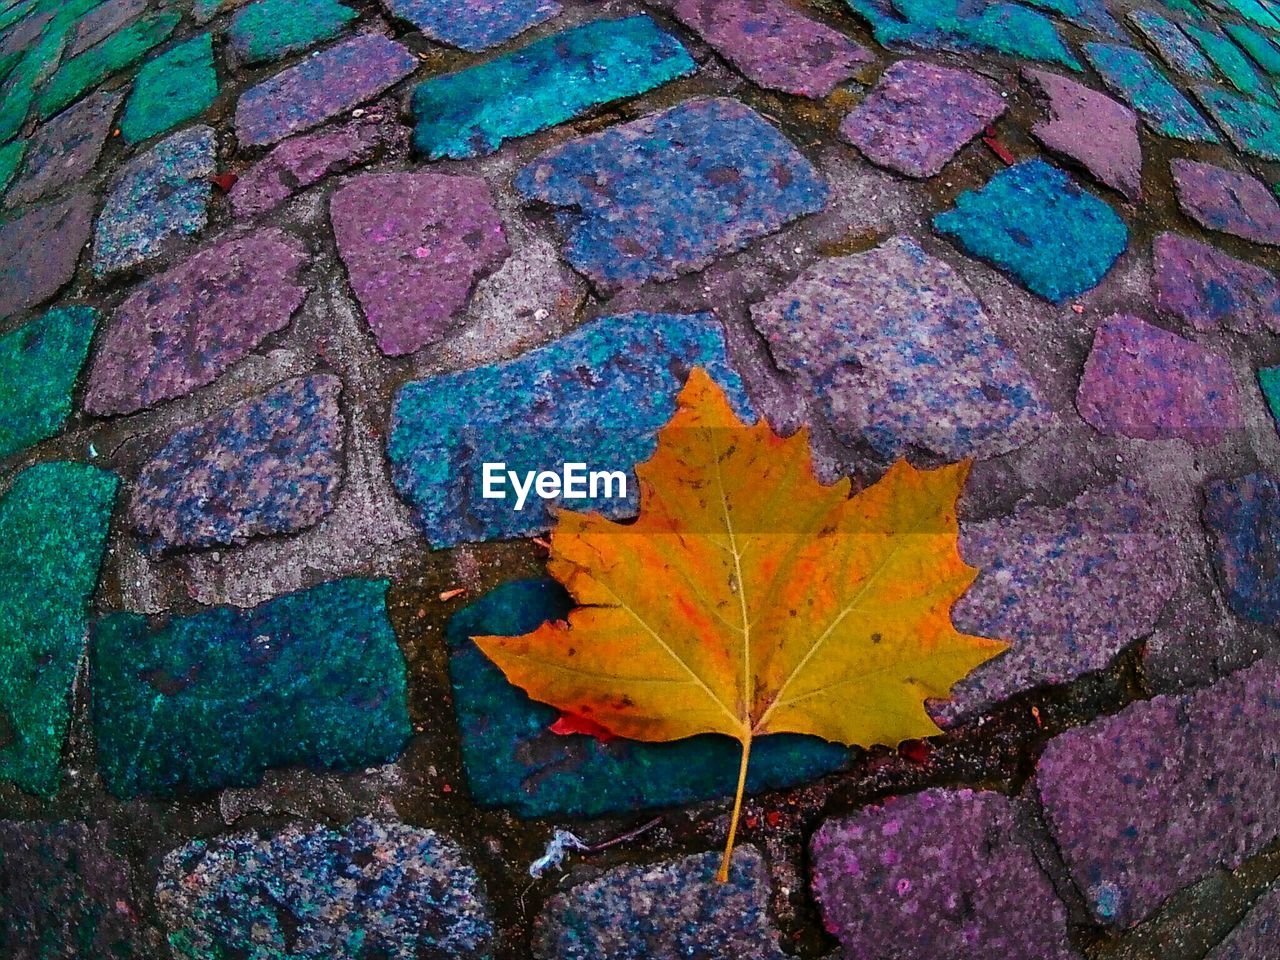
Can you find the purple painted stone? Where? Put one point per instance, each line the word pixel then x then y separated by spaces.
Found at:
pixel 1200 284
pixel 1257 933
pixel 181 329
pixel 1242 516
pixel 39 251
pixel 269 465
pixel 900 354
pixel 325 84
pixel 1089 127
pixel 102 21
pixel 774 44
pixel 1227 200
pixel 65 148
pixel 1151 799
pixel 1057 584
pixel 1144 382
pixel 303 160
pixel 414 245
pixel 938 875
pixel 919 116
pixel 25 34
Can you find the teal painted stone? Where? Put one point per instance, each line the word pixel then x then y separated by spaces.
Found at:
pixel 271 29
pixel 39 363
pixel 11 155
pixel 174 87
pixel 215 699
pixel 19 90
pixel 1133 77
pixel 1036 223
pixel 53 528
pixel 1235 66
pixel 1269 381
pixel 1253 127
pixel 1172 44
pixel 513 760
pixel 1256 12
pixel 470 113
pixel 81 74
pixel 1262 48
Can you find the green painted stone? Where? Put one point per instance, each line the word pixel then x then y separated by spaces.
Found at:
pixel 39 363
pixel 175 86
pixel 269 29
pixel 215 699
pixel 1263 50
pixel 53 528
pixel 1256 11
pixel 11 155
pixel 1269 380
pixel 1233 64
pixel 123 48
pixel 19 89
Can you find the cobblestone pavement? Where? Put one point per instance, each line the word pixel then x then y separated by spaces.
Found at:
pixel 275 275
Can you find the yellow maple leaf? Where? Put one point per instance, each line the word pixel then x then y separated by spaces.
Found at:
pixel 749 599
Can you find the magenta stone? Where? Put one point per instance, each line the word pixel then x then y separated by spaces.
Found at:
pixel 774 44
pixel 1089 127
pixel 181 329
pixel 1150 384
pixel 312 91
pixel 1152 799
pixel 414 245
pixel 1200 284
pixel 938 875
pixel 919 116
pixel 39 251
pixel 65 148
pixel 1227 200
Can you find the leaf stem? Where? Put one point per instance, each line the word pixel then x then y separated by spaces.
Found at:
pixel 723 875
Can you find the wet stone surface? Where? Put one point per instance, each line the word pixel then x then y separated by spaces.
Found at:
pixel 65 149
pixel 171 89
pixel 1242 516
pixel 473 24
pixel 1211 290
pixel 39 250
pixel 271 29
pixel 1136 80
pixel 1227 200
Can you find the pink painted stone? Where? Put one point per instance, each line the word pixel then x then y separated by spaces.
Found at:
pixel 1089 127
pixel 1150 384
pixel 182 329
pixel 1200 284
pixel 39 251
pixel 774 44
pixel 300 161
pixel 919 116
pixel 414 245
pixel 1227 200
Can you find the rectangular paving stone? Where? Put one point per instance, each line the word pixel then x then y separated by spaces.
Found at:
pixel 1174 47
pixel 1241 515
pixel 171 89
pixel 271 29
pixel 39 364
pixel 471 112
pixel 39 250
pixel 1233 64
pixel 473 24
pixel 53 529
pixel 65 148
pixel 214 699
pixel 1135 79
pixel 1229 201
pixel 1252 127
pixel 323 85
pixel 1151 799
pixel 1198 283
pixel 1262 48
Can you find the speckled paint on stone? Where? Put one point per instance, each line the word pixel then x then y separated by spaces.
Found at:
pixel 159 197
pixel 839 330
pixel 271 29
pixel 597 396
pixel 919 115
pixel 39 364
pixel 668 909
pixel 102 21
pixel 549 81
pixel 265 466
pixel 215 699
pixel 39 250
pixel 1035 222
pixel 1149 800
pixel 938 875
pixel 53 529
pixel 1131 76
pixel 1144 382
pixel 81 74
pixel 310 892
pixel 181 329
pixel 1262 48
pixel 171 89
pixel 321 86
pixel 1056 583
pixel 64 149
pixel 774 44
pixel 513 760
pixel 667 194
pixel 1092 129
pixel 1257 933
pixel 1174 47
pixel 473 24
pixel 414 245
pixel 1252 127
pixel 1232 64
pixel 1230 201
pixel 1242 516
pixel 1210 290
pixel 24 77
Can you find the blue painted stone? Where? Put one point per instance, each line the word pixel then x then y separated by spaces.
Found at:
pixel 470 113
pixel 596 396
pixel 513 760
pixel 1034 222
pixel 1253 127
pixel 215 699
pixel 1243 519
pixel 668 193
pixel 1233 64
pixel 1133 77
pixel 473 24
pixel 1172 44
pixel 39 364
